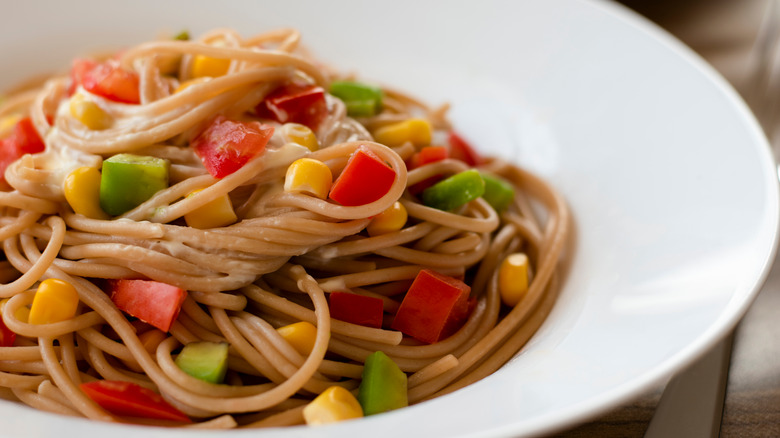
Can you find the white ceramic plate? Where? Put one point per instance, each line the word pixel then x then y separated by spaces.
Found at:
pixel 669 178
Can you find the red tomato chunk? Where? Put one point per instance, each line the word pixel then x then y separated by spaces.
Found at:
pixel 428 155
pixel 434 307
pixel 365 179
pixel 131 400
pixel 7 337
pixel 226 145
pixel 461 150
pixel 150 301
pixel 24 139
pixel 107 79
pixel 357 309
pixel 296 103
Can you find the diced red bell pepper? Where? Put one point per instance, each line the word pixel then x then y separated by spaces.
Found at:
pixel 364 179
pixel 461 150
pixel 357 309
pixel 7 337
pixel 107 79
pixel 434 307
pixel 427 155
pixel 150 301
pixel 226 145
pixel 131 400
pixel 295 102
pixel 24 139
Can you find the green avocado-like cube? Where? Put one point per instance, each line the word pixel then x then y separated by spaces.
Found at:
pixel 383 387
pixel 454 191
pixel 498 192
pixel 204 360
pixel 128 180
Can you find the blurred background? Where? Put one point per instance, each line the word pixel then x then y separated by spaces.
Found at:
pixel 739 38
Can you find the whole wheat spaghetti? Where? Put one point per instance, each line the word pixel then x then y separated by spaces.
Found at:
pixel 275 262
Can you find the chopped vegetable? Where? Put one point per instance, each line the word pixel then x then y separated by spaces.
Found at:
pixel 498 192
pixel 365 179
pixel 416 131
pixel 131 400
pixel 207 66
pixel 301 335
pixel 204 360
pixel 150 301
pixel 383 387
pixel 300 134
pixel 55 301
pixel 82 191
pixel 7 337
pixel 433 307
pixel 362 100
pixel 356 309
pixel 182 36
pixel 216 213
pixel 513 278
pixel 128 180
pixel 89 113
pixel 226 145
pixel 296 102
pixel 392 219
pixel 333 405
pixel 461 150
pixel 454 191
pixel 309 176
pixel 24 139
pixel 428 155
pixel 107 79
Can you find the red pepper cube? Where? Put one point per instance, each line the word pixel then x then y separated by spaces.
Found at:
pixel 295 103
pixel 433 308
pixel 7 337
pixel 356 309
pixel 131 400
pixel 428 155
pixel 150 301
pixel 461 150
pixel 226 145
pixel 365 179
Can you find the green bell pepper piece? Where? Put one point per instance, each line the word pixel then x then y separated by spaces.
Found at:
pixel 204 360
pixel 182 36
pixel 129 180
pixel 451 193
pixel 383 387
pixel 498 192
pixel 361 99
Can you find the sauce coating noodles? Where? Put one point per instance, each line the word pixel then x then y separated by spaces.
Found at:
pixel 275 266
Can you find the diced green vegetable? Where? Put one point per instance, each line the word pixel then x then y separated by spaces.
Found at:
pixel 204 360
pixel 383 387
pixel 498 192
pixel 361 99
pixel 182 36
pixel 128 180
pixel 451 193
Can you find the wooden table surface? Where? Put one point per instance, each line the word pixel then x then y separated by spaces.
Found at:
pixel 723 32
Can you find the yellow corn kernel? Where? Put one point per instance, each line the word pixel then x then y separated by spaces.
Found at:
pixel 416 131
pixel 307 175
pixel 300 335
pixel 82 191
pixel 513 278
pixel 89 113
pixel 54 301
pixel 392 219
pixel 186 84
pixel 22 313
pixel 300 134
pixel 7 123
pixel 333 405
pixel 213 214
pixel 207 66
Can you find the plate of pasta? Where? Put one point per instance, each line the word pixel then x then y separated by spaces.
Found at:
pixel 311 219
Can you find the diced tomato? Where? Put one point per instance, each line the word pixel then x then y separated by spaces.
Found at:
pixel 107 79
pixel 427 155
pixel 364 179
pixel 357 309
pixel 24 139
pixel 150 301
pixel 7 337
pixel 434 307
pixel 131 400
pixel 461 150
pixel 295 102
pixel 226 145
